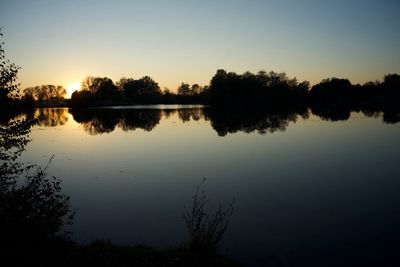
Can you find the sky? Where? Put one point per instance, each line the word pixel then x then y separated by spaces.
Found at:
pixel 174 41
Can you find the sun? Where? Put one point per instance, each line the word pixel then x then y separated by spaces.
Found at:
pixel 72 88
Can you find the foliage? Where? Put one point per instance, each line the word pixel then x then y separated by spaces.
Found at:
pixel 8 77
pixel 273 89
pixel 45 94
pixel 206 230
pixel 33 208
pixel 102 88
pixel 332 90
pixel 141 90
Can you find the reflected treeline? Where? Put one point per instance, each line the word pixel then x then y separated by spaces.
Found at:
pixel 389 115
pixel 263 121
pixel 98 121
pixel 188 114
pixel 51 117
pixel 223 120
pixel 46 117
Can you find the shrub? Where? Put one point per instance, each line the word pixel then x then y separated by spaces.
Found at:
pixel 206 229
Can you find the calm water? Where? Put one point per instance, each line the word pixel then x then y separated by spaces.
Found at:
pixel 306 189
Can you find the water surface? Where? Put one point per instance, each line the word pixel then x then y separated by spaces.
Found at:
pixel 309 189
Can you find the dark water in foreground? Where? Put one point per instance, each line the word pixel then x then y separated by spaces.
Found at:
pixel 307 190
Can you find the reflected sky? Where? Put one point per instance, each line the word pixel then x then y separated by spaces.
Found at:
pixel 316 189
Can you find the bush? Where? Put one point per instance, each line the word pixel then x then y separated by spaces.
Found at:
pixel 206 229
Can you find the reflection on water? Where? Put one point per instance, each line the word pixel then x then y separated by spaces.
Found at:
pixel 224 121
pixel 262 121
pixel 51 117
pixel 313 187
pixel 98 121
pixel 342 113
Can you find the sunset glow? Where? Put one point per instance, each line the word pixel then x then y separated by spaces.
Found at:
pixel 72 88
pixel 354 40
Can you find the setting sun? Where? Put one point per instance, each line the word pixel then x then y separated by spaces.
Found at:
pixel 72 88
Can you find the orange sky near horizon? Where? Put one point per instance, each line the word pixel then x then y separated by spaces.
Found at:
pixel 62 42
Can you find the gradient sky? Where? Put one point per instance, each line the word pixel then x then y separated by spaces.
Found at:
pixel 61 42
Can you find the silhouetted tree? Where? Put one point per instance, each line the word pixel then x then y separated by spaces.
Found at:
pixel 33 210
pixel 82 98
pixel 391 89
pixel 8 77
pixel 169 97
pixel 102 88
pixel 332 91
pixel 196 89
pixel 272 89
pixel 184 90
pixel 143 90
pixel 127 85
pixel 46 94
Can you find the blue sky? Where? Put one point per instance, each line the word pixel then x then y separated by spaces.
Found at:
pixel 61 42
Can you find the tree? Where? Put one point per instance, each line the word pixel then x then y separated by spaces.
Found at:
pixel 333 91
pixel 391 85
pixel 8 77
pixel 33 210
pixel 272 89
pixel 46 93
pixel 392 80
pixel 184 90
pixel 128 86
pixel 82 98
pixel 196 89
pixel 102 88
pixel 142 90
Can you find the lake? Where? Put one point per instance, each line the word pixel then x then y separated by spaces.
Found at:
pixel 308 189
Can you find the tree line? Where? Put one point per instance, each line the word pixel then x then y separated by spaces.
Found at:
pixel 226 89
pixel 103 91
pixel 272 90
